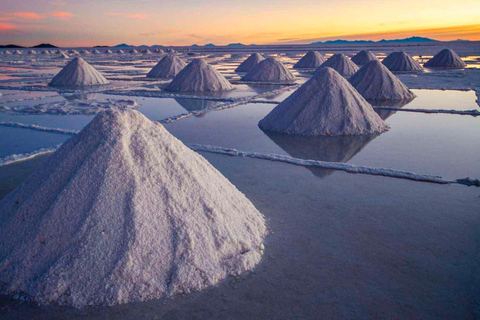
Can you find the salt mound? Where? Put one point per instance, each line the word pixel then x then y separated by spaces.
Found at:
pixel 268 70
pixel 32 52
pixel 364 57
pixel 446 58
pixel 159 51
pixel 401 61
pixel 311 60
pixel 324 105
pixel 199 76
pixel 133 51
pixel 148 52
pixel 95 51
pixel 168 67
pixel 7 52
pixel 250 63
pixel 18 52
pixel 63 55
pixel 341 64
pixel 375 82
pixel 73 52
pixel 121 51
pixel 124 212
pixel 85 52
pixel 108 51
pixel 78 73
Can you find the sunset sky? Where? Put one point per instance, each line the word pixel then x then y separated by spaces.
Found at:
pixel 171 22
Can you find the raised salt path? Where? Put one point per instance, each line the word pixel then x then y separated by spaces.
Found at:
pixel 375 82
pixel 199 76
pixel 124 212
pixel 78 73
pixel 401 61
pixel 447 58
pixel 250 63
pixel 364 57
pixel 269 70
pixel 327 104
pixel 311 60
pixel 340 63
pixel 168 67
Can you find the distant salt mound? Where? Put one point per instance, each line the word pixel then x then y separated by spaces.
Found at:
pixel 121 51
pixel 269 70
pixel 446 58
pixel 159 51
pixel 375 82
pixel 148 52
pixel 168 67
pixel 18 52
pixel 124 212
pixel 32 52
pixel 364 57
pixel 108 51
pixel 8 52
pixel 95 51
pixel 340 63
pixel 250 63
pixel 85 52
pixel 311 60
pixel 74 52
pixel 401 61
pixel 324 105
pixel 133 51
pixel 78 73
pixel 63 55
pixel 199 76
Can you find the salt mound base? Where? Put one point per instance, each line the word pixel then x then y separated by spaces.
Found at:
pixel 199 76
pixel 168 67
pixel 446 58
pixel 311 60
pixel 324 105
pixel 78 73
pixel 124 212
pixel 374 81
pixel 268 70
pixel 401 61
pixel 250 63
pixel 364 57
pixel 340 63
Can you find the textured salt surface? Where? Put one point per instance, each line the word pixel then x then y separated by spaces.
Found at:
pixel 364 57
pixel 311 60
pixel 324 105
pixel 250 63
pixel 375 82
pixel 401 61
pixel 446 58
pixel 124 212
pixel 168 67
pixel 340 63
pixel 78 73
pixel 269 70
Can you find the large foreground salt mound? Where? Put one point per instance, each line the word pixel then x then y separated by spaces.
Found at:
pixel 340 63
pixel 268 70
pixel 78 73
pixel 250 63
pixel 324 105
pixel 311 60
pixel 199 76
pixel 364 57
pixel 401 61
pixel 447 58
pixel 124 212
pixel 374 81
pixel 168 67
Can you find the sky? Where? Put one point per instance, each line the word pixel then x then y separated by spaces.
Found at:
pixel 186 22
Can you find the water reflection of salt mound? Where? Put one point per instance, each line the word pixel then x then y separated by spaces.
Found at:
pixel 386 113
pixel 331 149
pixel 401 61
pixel 124 212
pixel 78 73
pixel 192 105
pixel 311 60
pixel 269 70
pixel 340 63
pixel 447 58
pixel 249 63
pixel 168 67
pixel 364 57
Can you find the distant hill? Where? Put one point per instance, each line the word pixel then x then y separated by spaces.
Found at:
pixel 11 46
pixel 194 45
pixel 406 40
pixel 235 45
pixel 123 45
pixel 209 45
pixel 45 45
pixel 101 46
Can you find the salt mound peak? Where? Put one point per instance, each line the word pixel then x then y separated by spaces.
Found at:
pixel 78 73
pixel 199 76
pixel 268 70
pixel 401 61
pixel 168 67
pixel 375 82
pixel 250 63
pixel 311 60
pixel 324 105
pixel 124 212
pixel 447 58
pixel 340 63
pixel 364 57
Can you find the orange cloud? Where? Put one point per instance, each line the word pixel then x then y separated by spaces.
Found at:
pixel 8 28
pixel 130 15
pixel 27 15
pixel 62 15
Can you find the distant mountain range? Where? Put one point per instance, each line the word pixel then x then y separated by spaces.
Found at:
pixel 406 40
pixel 45 45
pixel 14 46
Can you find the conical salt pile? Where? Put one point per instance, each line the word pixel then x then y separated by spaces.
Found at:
pixel 73 52
pixel 86 52
pixel 32 52
pixel 168 67
pixel 133 51
pixel 124 212
pixel 446 58
pixel 63 55
pixel 78 73
pixel 159 51
pixel 121 51
pixel 268 70
pixel 199 76
pixel 311 60
pixel 340 63
pixel 324 105
pixel 108 51
pixel 364 57
pixel 7 52
pixel 95 51
pixel 250 63
pixel 18 52
pixel 375 82
pixel 148 52
pixel 401 61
